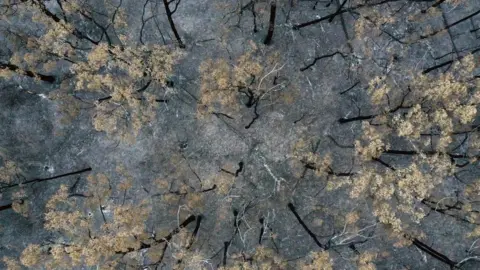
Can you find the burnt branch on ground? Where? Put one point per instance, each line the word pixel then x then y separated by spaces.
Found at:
pixel 255 108
pixel 39 180
pixel 305 227
pixel 434 253
pixel 28 73
pixel 320 58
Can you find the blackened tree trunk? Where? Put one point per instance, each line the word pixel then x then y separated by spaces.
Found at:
pixel 271 26
pixel 166 3
pixel 14 68
pixel 5 207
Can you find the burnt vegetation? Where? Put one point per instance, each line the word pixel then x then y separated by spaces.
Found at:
pixel 250 134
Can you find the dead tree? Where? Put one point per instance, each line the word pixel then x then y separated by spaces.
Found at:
pixel 170 12
pixel 271 26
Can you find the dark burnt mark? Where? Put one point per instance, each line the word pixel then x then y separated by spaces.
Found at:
pixel 39 180
pixel 254 14
pixel 28 73
pixel 225 251
pixel 320 58
pixel 337 11
pixel 434 253
pixel 344 120
pixel 255 117
pixel 262 230
pixel 240 168
pixel 167 238
pixel 74 186
pixel 402 105
pixel 305 227
pixel 227 171
pixel 217 114
pixel 350 88
pixel 353 248
pixel 301 118
pixel 210 189
pixel 384 163
pixel 195 232
pixel 5 207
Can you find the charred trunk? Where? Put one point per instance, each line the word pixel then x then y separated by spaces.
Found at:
pixel 271 26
